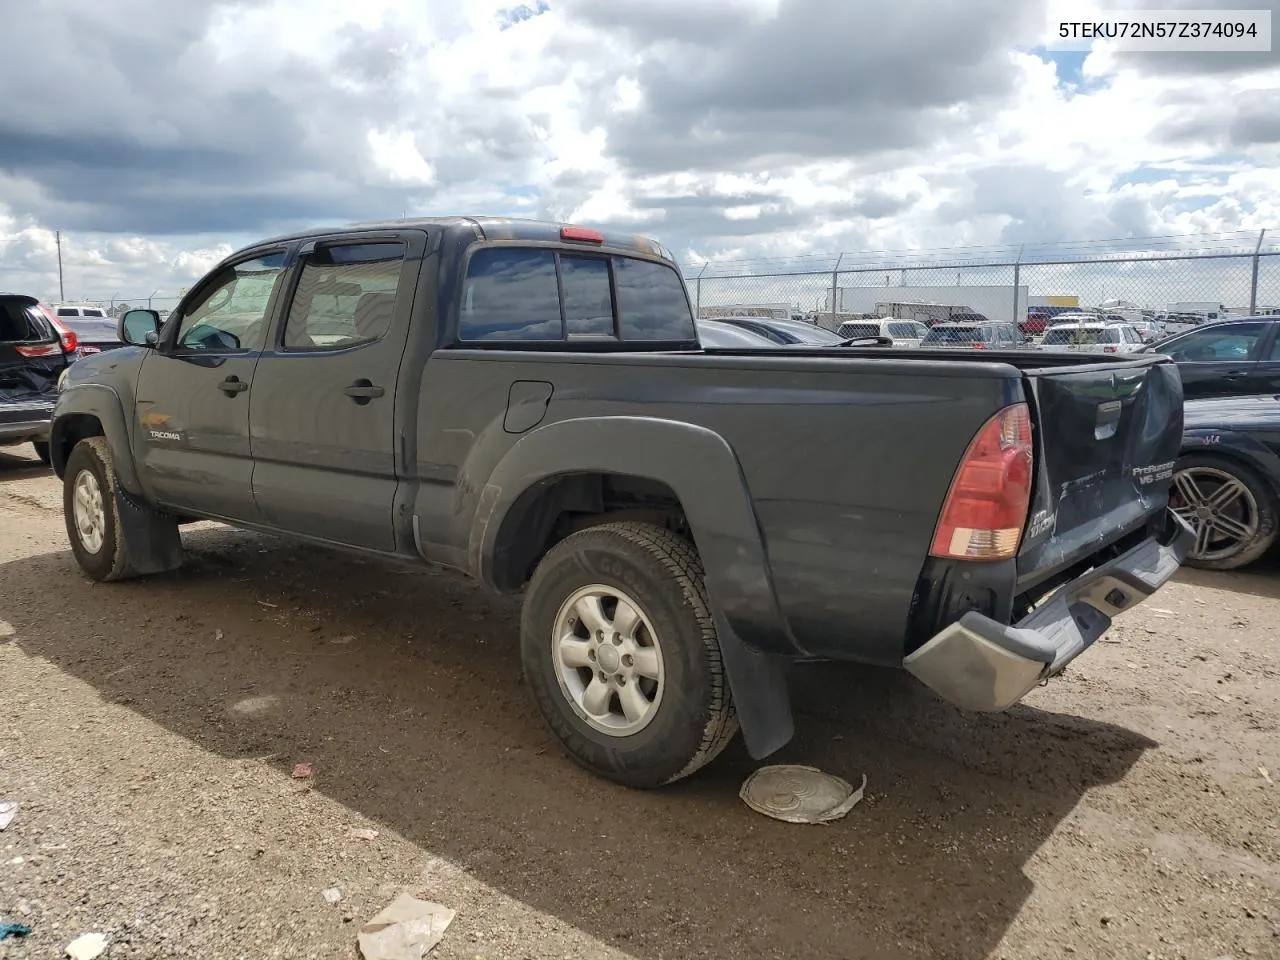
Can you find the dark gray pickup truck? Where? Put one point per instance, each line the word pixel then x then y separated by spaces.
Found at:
pixel 528 403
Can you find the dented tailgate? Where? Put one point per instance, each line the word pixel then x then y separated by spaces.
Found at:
pixel 1107 436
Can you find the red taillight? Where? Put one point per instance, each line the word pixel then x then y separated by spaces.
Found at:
pixel 581 234
pixel 986 507
pixel 69 340
pixel 37 349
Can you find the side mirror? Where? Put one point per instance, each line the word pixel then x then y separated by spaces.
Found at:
pixel 141 328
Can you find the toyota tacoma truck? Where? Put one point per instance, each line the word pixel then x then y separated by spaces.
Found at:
pixel 528 403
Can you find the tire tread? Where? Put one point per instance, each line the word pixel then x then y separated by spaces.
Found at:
pixel 677 558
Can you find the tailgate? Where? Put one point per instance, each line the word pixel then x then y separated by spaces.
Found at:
pixel 1107 436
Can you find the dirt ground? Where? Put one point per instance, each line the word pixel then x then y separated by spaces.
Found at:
pixel 149 729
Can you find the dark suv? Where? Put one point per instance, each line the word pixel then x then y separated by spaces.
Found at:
pixel 34 350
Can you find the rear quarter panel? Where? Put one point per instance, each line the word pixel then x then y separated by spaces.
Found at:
pixel 846 462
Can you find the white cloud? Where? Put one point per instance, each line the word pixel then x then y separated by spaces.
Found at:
pixel 729 129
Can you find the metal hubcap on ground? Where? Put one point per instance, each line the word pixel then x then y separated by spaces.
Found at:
pixel 608 660
pixel 1219 508
pixel 91 520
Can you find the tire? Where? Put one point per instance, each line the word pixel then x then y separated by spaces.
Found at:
pixel 108 558
pixel 691 718
pixel 43 452
pixel 1257 505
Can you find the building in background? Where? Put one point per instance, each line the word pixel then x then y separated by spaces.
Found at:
pixel 777 311
pixel 993 301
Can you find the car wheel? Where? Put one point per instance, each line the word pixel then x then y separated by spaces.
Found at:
pixel 91 506
pixel 620 651
pixel 43 451
pixel 1232 510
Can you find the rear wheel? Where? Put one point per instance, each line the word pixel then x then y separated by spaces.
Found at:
pixel 620 650
pixel 1231 508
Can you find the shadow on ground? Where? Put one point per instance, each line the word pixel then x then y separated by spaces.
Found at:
pixel 1261 579
pixel 403 687
pixel 20 463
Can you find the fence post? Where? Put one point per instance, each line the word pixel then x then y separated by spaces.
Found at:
pixel 153 293
pixel 698 285
pixel 1253 286
pixel 835 287
pixel 1017 282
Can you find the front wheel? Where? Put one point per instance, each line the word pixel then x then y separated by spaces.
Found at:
pixel 620 650
pixel 91 505
pixel 1232 510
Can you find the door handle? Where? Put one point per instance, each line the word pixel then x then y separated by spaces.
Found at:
pixel 233 385
pixel 1234 375
pixel 362 391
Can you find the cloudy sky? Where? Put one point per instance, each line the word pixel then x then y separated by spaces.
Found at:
pixel 159 135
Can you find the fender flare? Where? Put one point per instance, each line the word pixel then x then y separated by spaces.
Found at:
pixel 102 403
pixel 703 470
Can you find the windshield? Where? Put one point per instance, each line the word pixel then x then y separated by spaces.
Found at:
pixel 1081 335
pixel 953 335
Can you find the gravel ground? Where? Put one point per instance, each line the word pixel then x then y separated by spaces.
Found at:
pixel 149 730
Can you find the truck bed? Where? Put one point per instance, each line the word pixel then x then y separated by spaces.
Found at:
pixel 847 456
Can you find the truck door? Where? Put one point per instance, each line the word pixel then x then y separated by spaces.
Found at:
pixel 194 390
pixel 323 417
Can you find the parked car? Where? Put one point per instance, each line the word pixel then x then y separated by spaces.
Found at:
pixel 963 317
pixel 528 403
pixel 67 311
pixel 787 332
pixel 1229 358
pixel 1183 322
pixel 34 351
pixel 1035 324
pixel 1068 317
pixel 1092 337
pixel 900 333
pixel 989 335
pixel 1149 330
pixel 717 335
pixel 1227 481
pixel 92 334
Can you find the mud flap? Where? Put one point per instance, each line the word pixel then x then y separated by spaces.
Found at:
pixel 151 539
pixel 758 682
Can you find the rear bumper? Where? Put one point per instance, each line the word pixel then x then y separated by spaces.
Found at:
pixel 980 664
pixel 20 431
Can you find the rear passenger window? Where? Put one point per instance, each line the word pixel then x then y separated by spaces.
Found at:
pixel 511 294
pixel 850 330
pixel 588 302
pixel 21 324
pixel 651 302
pixel 514 294
pixel 345 295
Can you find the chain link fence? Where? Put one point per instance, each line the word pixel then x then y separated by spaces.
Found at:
pixel 1234 274
pixel 1226 274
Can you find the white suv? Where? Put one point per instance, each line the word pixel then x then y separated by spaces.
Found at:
pixel 1092 337
pixel 76 312
pixel 903 333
